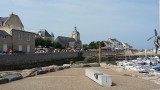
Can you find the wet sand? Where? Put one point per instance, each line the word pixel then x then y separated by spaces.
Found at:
pixel 75 79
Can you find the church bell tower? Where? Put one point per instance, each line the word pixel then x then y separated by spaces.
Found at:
pixel 75 34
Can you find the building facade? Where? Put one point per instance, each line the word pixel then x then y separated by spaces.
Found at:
pixel 70 42
pixel 13 36
pixel 127 46
pixel 45 35
pixel 113 43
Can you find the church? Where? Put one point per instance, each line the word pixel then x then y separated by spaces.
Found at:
pixel 70 42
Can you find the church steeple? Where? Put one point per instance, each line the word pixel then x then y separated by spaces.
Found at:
pixel 75 34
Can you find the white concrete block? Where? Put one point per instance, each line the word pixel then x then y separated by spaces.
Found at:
pixel 99 77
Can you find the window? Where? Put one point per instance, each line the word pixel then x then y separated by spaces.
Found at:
pixel 28 37
pixel 20 48
pixel 4 37
pixel 20 35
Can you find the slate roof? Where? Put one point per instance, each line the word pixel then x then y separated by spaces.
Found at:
pixel 44 33
pixel 65 40
pixel 3 19
pixel 4 33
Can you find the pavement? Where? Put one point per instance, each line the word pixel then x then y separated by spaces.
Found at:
pixel 75 79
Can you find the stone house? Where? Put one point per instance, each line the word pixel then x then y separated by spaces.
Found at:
pixel 70 42
pixel 114 43
pixel 13 36
pixel 45 35
pixel 127 46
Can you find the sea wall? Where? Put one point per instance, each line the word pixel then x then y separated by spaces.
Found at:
pixel 28 60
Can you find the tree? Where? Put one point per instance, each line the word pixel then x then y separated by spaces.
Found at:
pixel 57 45
pixel 48 43
pixel 95 45
pixel 39 41
pixel 85 46
pixel 102 44
pixel 92 45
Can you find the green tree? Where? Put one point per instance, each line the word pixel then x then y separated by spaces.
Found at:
pixel 102 44
pixel 39 41
pixel 57 45
pixel 95 45
pixel 85 46
pixel 92 45
pixel 48 43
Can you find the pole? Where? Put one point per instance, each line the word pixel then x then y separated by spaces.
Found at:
pixel 99 53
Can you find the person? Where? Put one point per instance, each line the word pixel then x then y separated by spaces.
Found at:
pixel 10 51
pixel 7 51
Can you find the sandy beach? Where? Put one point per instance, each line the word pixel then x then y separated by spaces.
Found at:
pixel 75 79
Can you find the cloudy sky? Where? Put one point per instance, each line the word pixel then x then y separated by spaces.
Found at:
pixel 131 21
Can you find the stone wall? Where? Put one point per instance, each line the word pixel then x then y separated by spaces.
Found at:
pixel 25 60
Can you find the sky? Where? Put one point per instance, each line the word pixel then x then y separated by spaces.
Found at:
pixel 131 21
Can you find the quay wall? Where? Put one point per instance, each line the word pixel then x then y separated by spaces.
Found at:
pixel 23 60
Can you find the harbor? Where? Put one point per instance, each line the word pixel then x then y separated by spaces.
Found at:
pixel 80 45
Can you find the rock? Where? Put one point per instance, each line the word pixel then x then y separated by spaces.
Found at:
pixel 65 66
pixel 28 73
pixel 13 77
pixel 85 65
pixel 3 80
pixel 76 66
pixel 57 68
pixel 50 69
pixel 41 70
pixel 3 74
pixel 94 64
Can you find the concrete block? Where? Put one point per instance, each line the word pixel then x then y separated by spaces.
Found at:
pixel 99 77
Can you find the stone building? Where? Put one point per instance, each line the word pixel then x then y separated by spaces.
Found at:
pixel 70 42
pixel 13 36
pixel 127 46
pixel 113 43
pixel 45 35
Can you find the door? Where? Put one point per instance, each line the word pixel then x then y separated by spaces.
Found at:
pixel 4 47
pixel 20 48
pixel 28 48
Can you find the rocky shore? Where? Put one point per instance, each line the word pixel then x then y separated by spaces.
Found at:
pixel 9 76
